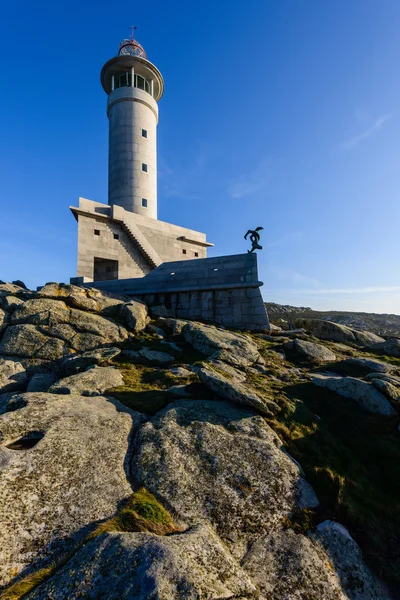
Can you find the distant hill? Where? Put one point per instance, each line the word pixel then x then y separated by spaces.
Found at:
pixel 381 324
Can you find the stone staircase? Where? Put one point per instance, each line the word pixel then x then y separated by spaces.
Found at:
pixel 141 243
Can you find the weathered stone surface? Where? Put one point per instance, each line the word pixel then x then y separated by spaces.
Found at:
pixel 92 382
pixel 80 362
pixel 140 566
pixel 356 579
pixel 287 565
pixel 71 478
pixel 77 297
pixel 51 323
pixel 388 389
pixel 181 391
pixel 362 392
pixel 27 341
pixel 327 330
pixel 3 319
pixel 134 315
pixel 8 289
pixel 311 351
pixel 40 311
pixel 175 325
pixel 235 391
pixel 155 356
pixel 211 461
pixel 389 347
pixel 8 303
pixel 172 346
pixel 160 333
pixel 179 372
pixel 228 370
pixel 233 348
pixel 40 382
pixel 362 366
pixel 12 376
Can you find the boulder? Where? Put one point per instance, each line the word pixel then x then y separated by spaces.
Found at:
pixel 2 319
pixel 8 289
pixel 347 560
pixel 233 348
pixel 175 325
pixel 362 392
pixel 27 341
pixel 62 469
pixel 80 362
pixel 310 351
pixel 40 311
pixel 49 329
pixel 134 315
pixel 285 564
pixel 227 370
pixel 328 330
pixel 360 366
pixel 155 356
pixel 388 389
pixel 12 376
pixel 78 297
pixel 179 372
pixel 92 382
pixel 10 302
pixel 123 566
pixel 40 382
pixel 160 333
pixel 236 392
pixel 390 347
pixel 182 391
pixel 214 462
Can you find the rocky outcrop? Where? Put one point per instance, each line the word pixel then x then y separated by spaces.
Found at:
pixel 80 362
pixel 362 392
pixel 12 376
pixel 49 329
pixel 327 330
pixel 213 462
pixel 310 351
pixel 389 347
pixel 134 315
pixel 194 564
pixel 360 366
pixel 233 348
pixel 233 390
pixel 81 298
pixel 93 382
pixel 62 469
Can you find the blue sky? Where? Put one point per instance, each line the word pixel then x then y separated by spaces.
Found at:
pixel 276 113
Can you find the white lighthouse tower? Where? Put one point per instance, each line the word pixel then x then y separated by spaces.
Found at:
pixel 124 239
pixel 134 86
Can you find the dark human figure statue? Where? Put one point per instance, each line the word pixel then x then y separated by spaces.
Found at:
pixel 254 238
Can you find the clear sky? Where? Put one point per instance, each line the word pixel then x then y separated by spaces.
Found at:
pixel 276 113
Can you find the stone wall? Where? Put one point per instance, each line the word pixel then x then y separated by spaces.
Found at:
pixel 224 290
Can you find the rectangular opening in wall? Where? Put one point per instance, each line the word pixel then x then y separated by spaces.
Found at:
pixel 97 232
pixel 144 167
pixel 144 133
pixel 196 254
pixel 144 202
pixel 184 251
pixel 105 269
pixel 116 236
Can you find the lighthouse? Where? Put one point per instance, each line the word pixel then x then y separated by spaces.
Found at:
pixel 124 239
pixel 134 86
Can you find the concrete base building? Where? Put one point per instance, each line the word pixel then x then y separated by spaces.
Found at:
pixel 124 239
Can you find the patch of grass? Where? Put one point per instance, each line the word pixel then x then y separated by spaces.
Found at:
pixel 352 459
pixel 142 513
pixel 302 520
pixel 21 588
pixel 145 388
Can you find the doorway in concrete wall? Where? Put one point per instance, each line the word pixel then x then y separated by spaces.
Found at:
pixel 105 269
